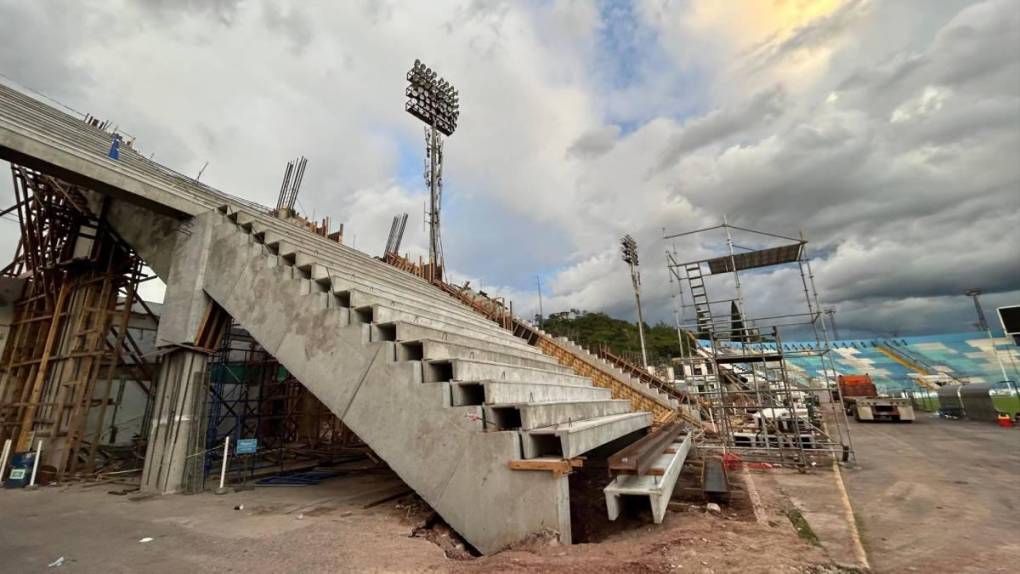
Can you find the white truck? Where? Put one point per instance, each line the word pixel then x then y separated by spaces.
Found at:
pixel 883 408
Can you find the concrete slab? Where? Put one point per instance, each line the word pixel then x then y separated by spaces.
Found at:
pixel 568 440
pixel 500 393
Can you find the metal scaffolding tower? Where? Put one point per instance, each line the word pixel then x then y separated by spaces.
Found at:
pixel 757 405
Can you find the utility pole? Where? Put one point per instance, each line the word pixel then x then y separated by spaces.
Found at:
pixel 630 256
pixel 983 325
pixel 541 314
pixel 435 102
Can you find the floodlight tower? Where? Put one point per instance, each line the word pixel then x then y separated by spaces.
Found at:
pixel 983 325
pixel 434 101
pixel 630 255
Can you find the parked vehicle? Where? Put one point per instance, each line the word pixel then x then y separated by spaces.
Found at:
pixel 861 400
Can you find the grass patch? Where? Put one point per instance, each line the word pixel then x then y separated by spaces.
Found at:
pixel 800 524
pixel 1009 405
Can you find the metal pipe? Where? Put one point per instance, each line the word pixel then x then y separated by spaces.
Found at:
pixel 35 463
pixel 3 459
pixel 223 467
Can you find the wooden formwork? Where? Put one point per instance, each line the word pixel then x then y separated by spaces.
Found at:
pixel 620 390
pixel 69 341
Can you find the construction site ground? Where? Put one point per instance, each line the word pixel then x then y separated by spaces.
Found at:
pixel 937 495
pixel 932 496
pixel 353 523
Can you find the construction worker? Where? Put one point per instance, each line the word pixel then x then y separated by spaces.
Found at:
pixel 115 147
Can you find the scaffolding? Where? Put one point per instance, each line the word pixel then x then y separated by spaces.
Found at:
pixel 70 354
pixel 251 396
pixel 756 405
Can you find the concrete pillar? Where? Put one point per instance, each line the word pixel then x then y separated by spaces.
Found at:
pixel 176 434
pixel 180 393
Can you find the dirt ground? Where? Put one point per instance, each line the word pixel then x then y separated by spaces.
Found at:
pixel 327 528
pixel 937 495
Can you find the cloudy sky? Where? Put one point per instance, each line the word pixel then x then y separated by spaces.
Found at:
pixel 887 131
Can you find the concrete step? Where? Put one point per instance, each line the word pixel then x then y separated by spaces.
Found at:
pixel 340 277
pixel 528 416
pixel 568 440
pixel 411 332
pixel 438 350
pixel 382 314
pixel 474 370
pixel 356 298
pixel 342 280
pixel 504 393
pixel 270 230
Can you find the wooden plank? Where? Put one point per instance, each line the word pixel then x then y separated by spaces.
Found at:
pixel 557 467
pixel 639 456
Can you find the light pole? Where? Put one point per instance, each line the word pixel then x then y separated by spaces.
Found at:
pixel 630 256
pixel 541 313
pixel 434 101
pixel 983 325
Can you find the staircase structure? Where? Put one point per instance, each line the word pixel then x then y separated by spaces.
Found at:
pixel 482 425
pixel 447 398
pixel 624 379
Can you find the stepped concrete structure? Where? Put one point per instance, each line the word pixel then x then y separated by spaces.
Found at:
pixel 453 403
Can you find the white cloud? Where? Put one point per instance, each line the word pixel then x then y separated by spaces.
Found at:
pixel 889 139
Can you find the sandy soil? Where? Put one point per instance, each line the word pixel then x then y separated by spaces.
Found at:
pixel 327 528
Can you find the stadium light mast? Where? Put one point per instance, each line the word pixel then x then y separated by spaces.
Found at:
pixel 983 325
pixel 435 102
pixel 630 255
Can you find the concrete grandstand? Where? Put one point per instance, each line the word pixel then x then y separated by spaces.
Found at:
pixel 901 363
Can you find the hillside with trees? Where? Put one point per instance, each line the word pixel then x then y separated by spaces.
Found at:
pixel 593 330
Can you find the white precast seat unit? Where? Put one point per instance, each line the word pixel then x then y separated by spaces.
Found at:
pixel 657 485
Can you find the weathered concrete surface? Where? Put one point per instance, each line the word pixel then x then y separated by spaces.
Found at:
pixel 179 391
pixel 438 449
pixel 37 136
pixel 147 232
pixel 186 304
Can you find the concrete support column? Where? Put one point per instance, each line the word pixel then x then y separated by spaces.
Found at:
pixel 173 437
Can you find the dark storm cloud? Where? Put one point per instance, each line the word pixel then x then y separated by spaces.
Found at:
pixel 719 125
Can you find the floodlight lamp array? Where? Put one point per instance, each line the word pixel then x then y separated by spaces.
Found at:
pixel 628 248
pixel 432 99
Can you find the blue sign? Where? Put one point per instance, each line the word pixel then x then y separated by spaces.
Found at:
pixel 246 446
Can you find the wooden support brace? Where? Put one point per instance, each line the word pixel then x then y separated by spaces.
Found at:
pixel 559 467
